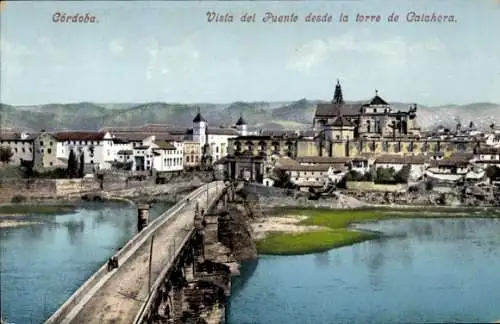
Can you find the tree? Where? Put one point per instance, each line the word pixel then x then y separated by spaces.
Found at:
pixel 283 179
pixel 5 154
pixel 492 172
pixel 72 170
pixel 402 175
pixel 81 169
pixel 384 175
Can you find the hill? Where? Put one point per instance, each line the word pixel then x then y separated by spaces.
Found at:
pixel 264 115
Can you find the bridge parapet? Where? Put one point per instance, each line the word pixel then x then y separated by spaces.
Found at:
pixel 198 282
pixel 81 301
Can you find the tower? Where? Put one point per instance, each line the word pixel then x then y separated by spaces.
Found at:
pixel 199 129
pixel 241 126
pixel 338 98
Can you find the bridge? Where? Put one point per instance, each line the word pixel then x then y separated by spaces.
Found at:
pixel 171 268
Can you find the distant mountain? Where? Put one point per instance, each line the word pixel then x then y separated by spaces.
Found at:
pixel 259 115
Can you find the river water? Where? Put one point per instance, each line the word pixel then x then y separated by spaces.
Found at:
pixel 43 264
pixel 441 270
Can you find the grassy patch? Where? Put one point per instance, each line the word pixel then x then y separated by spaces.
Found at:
pixel 336 222
pixel 36 209
pixel 309 242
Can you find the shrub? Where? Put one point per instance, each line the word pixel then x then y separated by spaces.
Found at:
pixel 18 199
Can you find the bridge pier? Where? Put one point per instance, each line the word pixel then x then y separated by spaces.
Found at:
pixel 142 217
pixel 197 286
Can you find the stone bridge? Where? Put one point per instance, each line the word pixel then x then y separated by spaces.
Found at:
pixel 174 270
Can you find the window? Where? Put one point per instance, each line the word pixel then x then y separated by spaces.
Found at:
pixel 187 158
pixel 41 143
pixel 49 150
pixel 51 143
pixel 50 163
pixel 23 150
pixel 91 161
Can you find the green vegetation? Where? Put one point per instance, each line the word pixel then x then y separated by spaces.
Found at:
pixel 336 232
pixel 390 176
pixel 6 154
pixel 35 209
pixel 72 165
pixel 309 242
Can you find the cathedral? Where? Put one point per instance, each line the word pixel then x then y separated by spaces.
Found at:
pixel 375 119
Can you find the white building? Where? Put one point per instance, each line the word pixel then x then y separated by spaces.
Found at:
pixel 168 156
pixel 20 144
pixel 215 140
pixel 417 163
pixel 96 147
pixel 493 139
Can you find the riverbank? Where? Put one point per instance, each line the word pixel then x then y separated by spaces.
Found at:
pixel 15 215
pixel 294 231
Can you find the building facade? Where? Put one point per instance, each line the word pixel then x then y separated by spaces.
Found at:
pixel 20 145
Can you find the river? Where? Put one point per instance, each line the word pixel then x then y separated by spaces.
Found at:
pixel 426 270
pixel 43 264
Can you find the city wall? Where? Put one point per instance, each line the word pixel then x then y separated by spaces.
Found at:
pixel 370 186
pixel 40 189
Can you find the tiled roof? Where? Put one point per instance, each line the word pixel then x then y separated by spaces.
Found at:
pixel 487 150
pixel 400 159
pixel 125 152
pixel 332 110
pixel 462 155
pixel 284 161
pixel 133 136
pixel 341 121
pixel 79 136
pixel 299 167
pixel 118 140
pixel 377 101
pixel 448 162
pixel 165 145
pixel 324 159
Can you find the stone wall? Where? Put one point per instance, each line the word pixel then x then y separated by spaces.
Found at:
pixel 457 197
pixel 262 190
pixel 36 189
pixel 370 186
pixel 43 188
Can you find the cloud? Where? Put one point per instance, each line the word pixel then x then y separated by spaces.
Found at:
pixel 396 51
pixel 166 60
pixel 115 46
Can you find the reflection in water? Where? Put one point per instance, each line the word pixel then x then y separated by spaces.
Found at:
pixel 75 230
pixel 442 270
pixel 246 272
pixel 47 262
pixel 322 259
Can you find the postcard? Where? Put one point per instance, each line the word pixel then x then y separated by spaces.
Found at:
pixel 249 161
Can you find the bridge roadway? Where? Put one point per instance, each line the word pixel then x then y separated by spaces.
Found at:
pixel 117 296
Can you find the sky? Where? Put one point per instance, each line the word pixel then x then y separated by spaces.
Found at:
pixel 168 51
